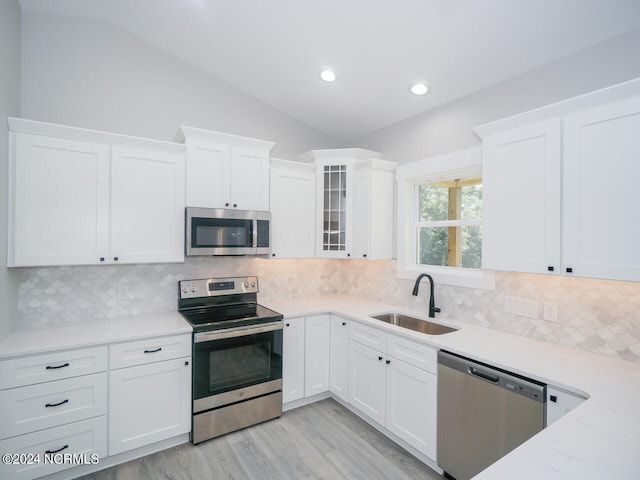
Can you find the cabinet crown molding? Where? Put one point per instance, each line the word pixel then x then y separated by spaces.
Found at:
pixel 614 93
pixel 338 153
pixel 187 133
pixel 35 127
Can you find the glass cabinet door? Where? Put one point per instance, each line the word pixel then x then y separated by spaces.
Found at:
pixel 335 208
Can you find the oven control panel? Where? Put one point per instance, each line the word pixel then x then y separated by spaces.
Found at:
pixel 208 287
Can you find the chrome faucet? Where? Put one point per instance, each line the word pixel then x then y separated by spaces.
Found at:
pixel 432 304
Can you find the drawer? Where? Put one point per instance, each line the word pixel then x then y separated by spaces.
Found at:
pixel 18 372
pixel 87 440
pixel 155 349
pixel 46 405
pixel 414 353
pixel 369 336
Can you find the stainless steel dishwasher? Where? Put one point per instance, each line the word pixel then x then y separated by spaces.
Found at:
pixel 483 414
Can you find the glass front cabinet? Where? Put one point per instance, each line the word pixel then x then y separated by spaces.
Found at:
pixel 349 211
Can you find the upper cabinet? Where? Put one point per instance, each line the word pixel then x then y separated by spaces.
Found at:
pixel 521 177
pixel 81 197
pixel 354 203
pixel 293 207
pixel 558 192
pixel 226 171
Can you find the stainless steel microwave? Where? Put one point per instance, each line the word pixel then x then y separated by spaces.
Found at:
pixel 222 231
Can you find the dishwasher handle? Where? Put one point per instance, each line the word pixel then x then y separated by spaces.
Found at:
pixel 513 382
pixel 486 376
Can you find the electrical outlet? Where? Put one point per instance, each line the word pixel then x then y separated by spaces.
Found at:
pixel 521 306
pixel 550 311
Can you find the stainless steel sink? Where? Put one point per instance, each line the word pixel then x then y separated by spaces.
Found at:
pixel 415 324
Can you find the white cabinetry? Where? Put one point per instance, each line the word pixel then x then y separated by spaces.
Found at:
pixel 53 403
pixel 79 197
pixel 306 349
pixel 393 381
pixel 373 209
pixel 354 206
pixel 226 171
pixel 293 209
pixel 339 358
pixel 560 402
pixel 293 359
pixel 150 401
pixel 557 193
pixel 601 149
pixel 521 182
pixel 317 336
pixel 147 206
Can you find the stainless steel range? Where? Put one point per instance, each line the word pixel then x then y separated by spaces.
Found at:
pixel 237 355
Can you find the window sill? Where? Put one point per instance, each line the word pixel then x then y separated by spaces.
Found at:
pixel 458 277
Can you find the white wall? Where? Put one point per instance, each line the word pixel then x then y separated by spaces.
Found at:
pixel 87 73
pixel 449 128
pixel 9 106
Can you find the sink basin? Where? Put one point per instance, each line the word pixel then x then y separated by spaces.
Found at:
pixel 415 324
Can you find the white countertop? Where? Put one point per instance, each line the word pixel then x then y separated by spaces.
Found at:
pixel 600 439
pixel 111 330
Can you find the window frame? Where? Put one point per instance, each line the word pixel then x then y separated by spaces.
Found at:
pixel 461 164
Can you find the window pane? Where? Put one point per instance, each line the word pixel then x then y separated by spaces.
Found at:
pixel 471 207
pixel 433 203
pixel 471 246
pixel 433 246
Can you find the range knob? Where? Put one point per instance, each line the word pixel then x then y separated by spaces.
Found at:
pixel 193 289
pixel 246 284
pixel 185 289
pixel 253 284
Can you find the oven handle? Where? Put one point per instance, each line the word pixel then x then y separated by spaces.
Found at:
pixel 237 332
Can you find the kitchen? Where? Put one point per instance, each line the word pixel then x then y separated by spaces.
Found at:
pixel 102 86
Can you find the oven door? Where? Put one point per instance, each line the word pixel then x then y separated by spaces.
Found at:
pixel 240 359
pixel 220 232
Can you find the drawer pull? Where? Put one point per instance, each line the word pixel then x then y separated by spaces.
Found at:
pixel 153 351
pixel 55 367
pixel 49 452
pixel 57 404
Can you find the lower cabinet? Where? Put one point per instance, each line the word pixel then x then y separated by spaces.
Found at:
pixel 150 401
pixel 306 349
pixel 395 384
pixel 339 358
pixel 70 402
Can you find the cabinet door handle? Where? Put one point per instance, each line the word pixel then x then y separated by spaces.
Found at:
pixel 364 255
pixel 49 452
pixel 235 205
pixel 56 404
pixel 380 358
pixel 153 351
pixel 550 268
pixel 344 324
pixel 115 259
pixel 348 254
pixel 569 269
pixel 55 367
pixel 226 204
pixel 287 324
pixel 102 259
pixel 388 362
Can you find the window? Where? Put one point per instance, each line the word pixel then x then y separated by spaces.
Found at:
pixel 448 216
pixel 440 220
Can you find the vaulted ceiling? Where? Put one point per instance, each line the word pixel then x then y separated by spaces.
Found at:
pixel 275 49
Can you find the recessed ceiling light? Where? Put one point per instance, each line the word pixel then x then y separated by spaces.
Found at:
pixel 328 76
pixel 419 89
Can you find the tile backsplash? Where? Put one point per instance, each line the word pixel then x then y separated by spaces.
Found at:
pixel 594 315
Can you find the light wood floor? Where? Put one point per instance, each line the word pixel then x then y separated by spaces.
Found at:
pixel 317 441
